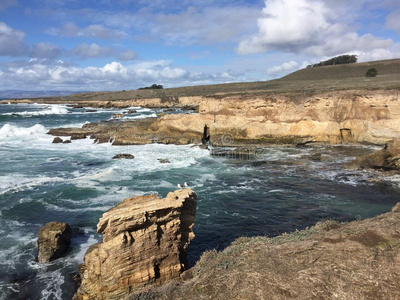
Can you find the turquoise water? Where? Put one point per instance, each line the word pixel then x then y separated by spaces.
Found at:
pixel 278 191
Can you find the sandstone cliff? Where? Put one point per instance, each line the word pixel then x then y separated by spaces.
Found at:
pixel 145 239
pixel 333 117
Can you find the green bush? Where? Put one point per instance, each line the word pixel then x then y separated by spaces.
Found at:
pixel 371 72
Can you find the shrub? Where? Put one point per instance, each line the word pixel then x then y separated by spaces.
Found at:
pixel 371 73
pixel 153 87
pixel 339 60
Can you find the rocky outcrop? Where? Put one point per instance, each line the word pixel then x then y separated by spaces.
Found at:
pixel 53 241
pixel 387 159
pixel 342 117
pixel 124 156
pixel 145 239
pixel 78 136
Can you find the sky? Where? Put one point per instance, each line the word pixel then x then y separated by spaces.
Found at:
pixel 93 45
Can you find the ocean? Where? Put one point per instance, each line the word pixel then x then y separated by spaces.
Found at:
pixel 280 190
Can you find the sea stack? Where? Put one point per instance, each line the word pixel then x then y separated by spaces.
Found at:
pixel 53 241
pixel 145 239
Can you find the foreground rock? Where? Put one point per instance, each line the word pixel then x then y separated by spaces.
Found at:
pixel 145 239
pixel 124 156
pixel 53 241
pixel 387 159
pixel 356 260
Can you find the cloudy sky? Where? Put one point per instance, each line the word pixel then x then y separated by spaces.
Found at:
pixel 125 44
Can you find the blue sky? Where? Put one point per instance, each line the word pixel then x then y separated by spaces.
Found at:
pixel 125 44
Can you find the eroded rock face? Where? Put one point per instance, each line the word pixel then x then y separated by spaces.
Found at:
pixel 145 239
pixel 53 241
pixel 387 159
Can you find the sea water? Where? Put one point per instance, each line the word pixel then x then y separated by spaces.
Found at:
pixel 279 190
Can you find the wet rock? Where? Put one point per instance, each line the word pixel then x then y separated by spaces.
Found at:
pixel 57 140
pixel 131 111
pixel 53 241
pixel 387 159
pixel 67 142
pixel 117 116
pixel 90 111
pixel 124 156
pixel 164 161
pixel 145 239
pixel 316 157
pixel 78 136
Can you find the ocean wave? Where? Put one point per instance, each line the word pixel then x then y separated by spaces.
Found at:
pixel 8 131
pixel 49 110
pixel 17 182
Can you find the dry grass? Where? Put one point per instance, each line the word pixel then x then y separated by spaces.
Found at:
pixel 357 260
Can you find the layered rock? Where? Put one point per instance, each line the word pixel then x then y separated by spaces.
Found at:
pixel 53 241
pixel 145 239
pixel 387 159
pixel 336 118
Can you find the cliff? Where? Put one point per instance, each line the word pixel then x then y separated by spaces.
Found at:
pixel 333 117
pixel 145 239
pixel 356 260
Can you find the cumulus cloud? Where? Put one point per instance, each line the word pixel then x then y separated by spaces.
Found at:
pixel 12 41
pixel 284 68
pixel 40 75
pixel 90 51
pixel 309 27
pixel 92 31
pixel 46 51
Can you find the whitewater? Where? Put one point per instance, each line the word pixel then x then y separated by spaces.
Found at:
pixel 280 190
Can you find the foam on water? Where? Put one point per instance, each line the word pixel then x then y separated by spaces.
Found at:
pixel 18 182
pixel 8 131
pixel 49 110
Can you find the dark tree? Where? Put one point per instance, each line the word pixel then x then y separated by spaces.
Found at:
pixel 153 87
pixel 371 73
pixel 339 60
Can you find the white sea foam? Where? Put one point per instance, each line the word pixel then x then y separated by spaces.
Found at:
pixel 18 182
pixel 84 247
pixel 53 280
pixel 48 110
pixel 8 131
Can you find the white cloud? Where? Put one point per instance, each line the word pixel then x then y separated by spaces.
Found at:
pixel 90 51
pixel 41 75
pixel 393 21
pixel 127 55
pixel 284 68
pixel 46 51
pixel 309 27
pixel 92 31
pixel 12 41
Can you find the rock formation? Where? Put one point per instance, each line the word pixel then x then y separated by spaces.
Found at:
pixel 145 239
pixel 124 156
pixel 57 140
pixel 53 241
pixel 340 117
pixel 386 159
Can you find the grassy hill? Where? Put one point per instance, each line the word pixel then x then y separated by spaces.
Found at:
pixel 305 82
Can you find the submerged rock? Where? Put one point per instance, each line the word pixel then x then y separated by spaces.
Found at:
pixel 145 239
pixel 124 156
pixel 53 241
pixel 164 161
pixel 117 116
pixel 78 136
pixel 57 140
pixel 387 159
pixel 67 142
pixel 131 111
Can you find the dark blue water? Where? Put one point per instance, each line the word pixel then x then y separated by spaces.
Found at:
pixel 280 190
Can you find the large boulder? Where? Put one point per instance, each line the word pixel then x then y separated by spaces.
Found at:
pixel 145 239
pixel 57 140
pixel 53 241
pixel 387 159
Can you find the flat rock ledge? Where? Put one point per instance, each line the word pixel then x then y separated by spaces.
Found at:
pixel 145 239
pixel 53 241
